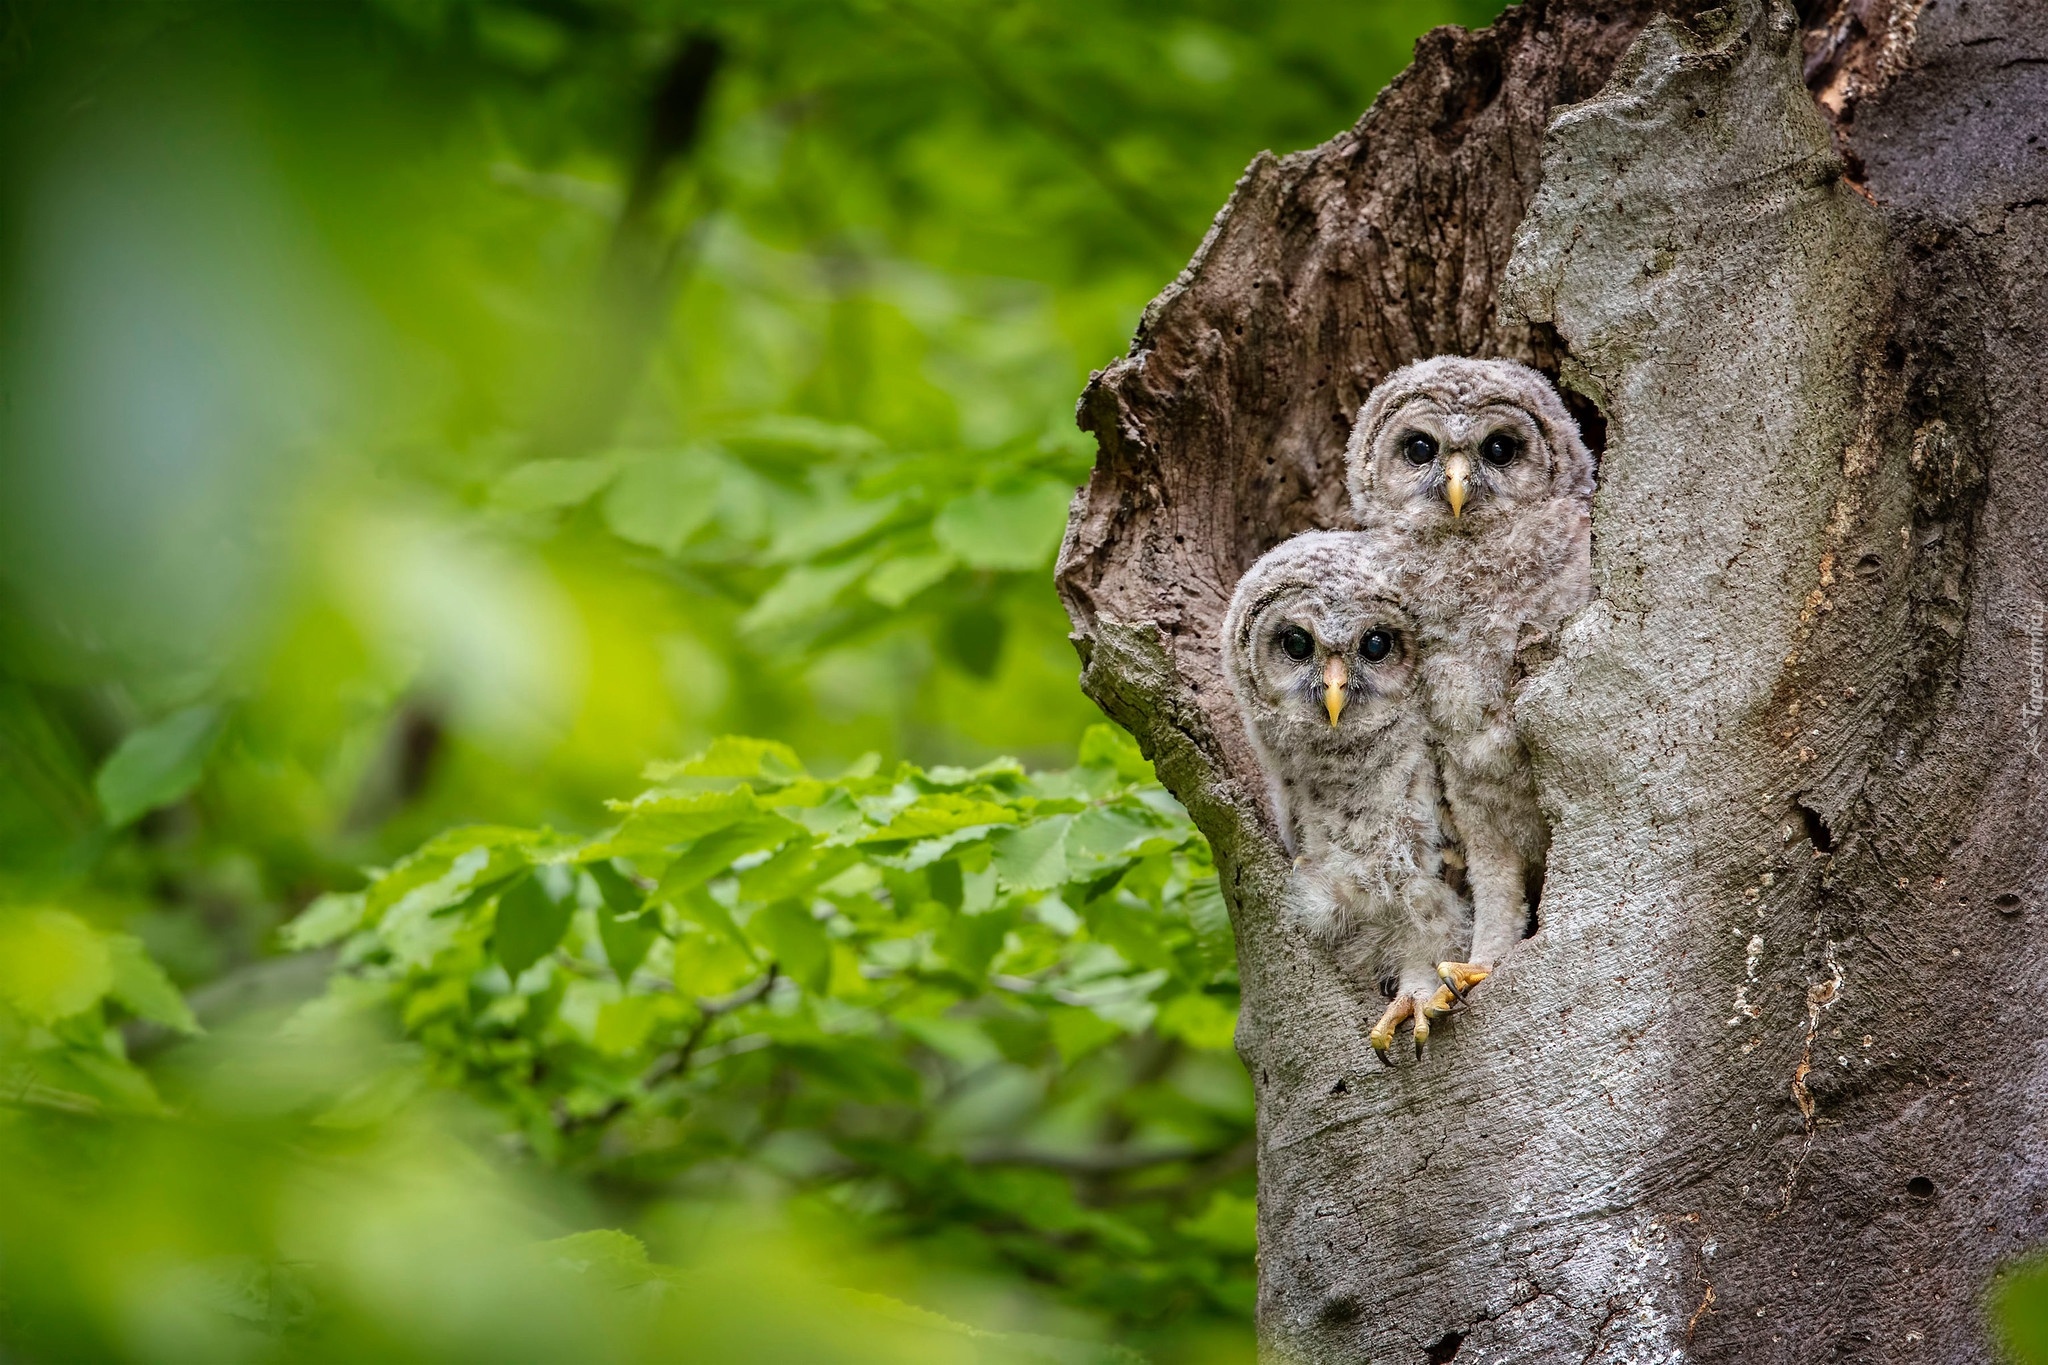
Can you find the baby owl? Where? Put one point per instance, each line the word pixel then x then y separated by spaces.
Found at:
pixel 1474 492
pixel 1323 662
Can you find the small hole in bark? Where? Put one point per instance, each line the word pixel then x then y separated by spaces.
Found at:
pixel 1444 1348
pixel 1817 832
pixel 1532 896
pixel 1920 1187
pixel 2008 904
pixel 1340 1087
pixel 1339 1308
pixel 1894 356
pixel 1869 566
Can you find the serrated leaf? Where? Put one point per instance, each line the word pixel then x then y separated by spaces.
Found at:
pixel 663 821
pixel 157 764
pixel 143 989
pixel 529 925
pixel 1033 857
pixel 940 813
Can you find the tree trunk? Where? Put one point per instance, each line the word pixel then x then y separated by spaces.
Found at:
pixel 1768 1082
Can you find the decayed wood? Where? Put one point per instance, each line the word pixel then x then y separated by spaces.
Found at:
pixel 1766 1085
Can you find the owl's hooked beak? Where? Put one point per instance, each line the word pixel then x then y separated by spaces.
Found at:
pixel 1457 470
pixel 1336 687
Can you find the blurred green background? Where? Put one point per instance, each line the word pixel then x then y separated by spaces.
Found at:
pixel 418 417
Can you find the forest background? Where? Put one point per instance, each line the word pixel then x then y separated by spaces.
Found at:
pixel 545 812
pixel 429 423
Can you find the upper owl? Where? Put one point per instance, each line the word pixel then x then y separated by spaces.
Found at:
pixel 1456 446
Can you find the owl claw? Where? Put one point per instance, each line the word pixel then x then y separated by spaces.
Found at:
pixel 1382 1035
pixel 1459 977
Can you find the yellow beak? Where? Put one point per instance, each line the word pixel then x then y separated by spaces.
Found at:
pixel 1335 679
pixel 1457 470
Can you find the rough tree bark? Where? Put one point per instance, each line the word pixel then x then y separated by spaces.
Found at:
pixel 1768 1083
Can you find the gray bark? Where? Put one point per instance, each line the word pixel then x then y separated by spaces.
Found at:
pixel 1768 1083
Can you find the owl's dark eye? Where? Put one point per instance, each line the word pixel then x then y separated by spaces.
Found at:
pixel 1499 449
pixel 1418 447
pixel 1297 643
pixel 1376 645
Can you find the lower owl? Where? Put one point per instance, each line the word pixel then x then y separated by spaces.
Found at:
pixel 1323 664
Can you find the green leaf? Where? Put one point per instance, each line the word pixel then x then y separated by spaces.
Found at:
pixel 1211 921
pixel 52 964
pixel 544 485
pixel 157 764
pixel 141 986
pixel 664 820
pixel 1203 1021
pixel 530 923
pixel 1016 530
pixel 805 592
pixel 713 854
pixel 1229 1222
pixel 940 813
pixel 625 928
pixel 1034 857
pixel 1076 1032
pixel 1107 746
pixel 971 942
pixel 895 581
pixel 826 526
pixel 328 919
pixel 734 756
pixel 662 500
pixel 791 935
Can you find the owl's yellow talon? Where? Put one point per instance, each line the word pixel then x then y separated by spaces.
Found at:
pixel 1382 1035
pixel 1459 977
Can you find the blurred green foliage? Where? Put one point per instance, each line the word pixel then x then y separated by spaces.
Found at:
pixel 415 416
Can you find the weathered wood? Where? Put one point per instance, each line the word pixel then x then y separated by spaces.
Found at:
pixel 1766 1085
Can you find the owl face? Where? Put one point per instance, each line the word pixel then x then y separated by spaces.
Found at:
pixel 1459 445
pixel 1317 644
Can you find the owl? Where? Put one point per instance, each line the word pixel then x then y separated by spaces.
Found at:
pixel 1323 661
pixel 1474 491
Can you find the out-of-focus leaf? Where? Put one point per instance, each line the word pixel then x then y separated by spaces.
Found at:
pixel 661 500
pixel 1229 1222
pixel 52 964
pixel 142 988
pixel 625 929
pixel 530 923
pixel 895 581
pixel 827 527
pixel 157 764
pixel 328 919
pixel 1017 529
pixel 1211 920
pixel 1199 1020
pixel 796 940
pixel 544 485
pixel 804 592
pixel 734 756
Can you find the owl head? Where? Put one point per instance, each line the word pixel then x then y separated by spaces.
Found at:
pixel 1459 445
pixel 1315 647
